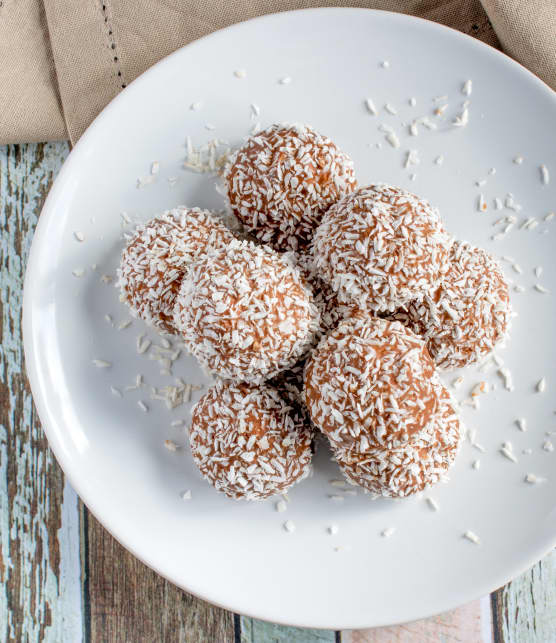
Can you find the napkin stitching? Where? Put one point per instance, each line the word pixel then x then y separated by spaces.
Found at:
pixel 112 43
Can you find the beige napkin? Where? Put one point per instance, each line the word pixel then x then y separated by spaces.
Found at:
pixel 63 61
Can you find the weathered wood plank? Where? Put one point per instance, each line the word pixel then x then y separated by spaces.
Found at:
pixel 128 602
pixel 470 623
pixel 255 631
pixel 525 609
pixel 39 584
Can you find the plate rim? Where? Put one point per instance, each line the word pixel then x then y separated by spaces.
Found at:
pixel 49 210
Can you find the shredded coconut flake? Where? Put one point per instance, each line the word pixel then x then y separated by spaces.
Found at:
pixel 289 526
pixel 472 537
pixel 281 506
pixel 186 495
pixel 389 531
pixel 433 504
pixel 541 385
pixel 101 363
pixel 171 445
pixel 240 73
pixel 545 175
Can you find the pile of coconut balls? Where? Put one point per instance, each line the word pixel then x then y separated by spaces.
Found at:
pixel 332 311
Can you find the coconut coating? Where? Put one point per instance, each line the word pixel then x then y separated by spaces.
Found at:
pixel 412 467
pixel 468 314
pixel 281 181
pixel 246 443
pixel 156 258
pixel 245 312
pixel 381 247
pixel 369 383
pixel 331 309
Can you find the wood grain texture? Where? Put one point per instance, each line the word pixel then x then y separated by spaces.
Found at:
pixel 255 631
pixel 39 598
pixel 525 609
pixel 128 602
pixel 470 623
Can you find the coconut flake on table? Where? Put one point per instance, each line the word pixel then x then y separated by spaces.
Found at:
pixel 332 530
pixel 433 504
pixel 507 451
pixel 439 160
pixel 472 537
pixel 390 109
pixel 186 495
pixel 196 106
pixel 521 424
pixel 440 109
pixel 289 526
pixel 240 73
pixel 548 446
pixel 385 64
pixel 506 375
pixel 550 216
pixel 476 464
pixel 531 478
pixel 116 391
pixel 78 272
pixel 467 87
pixel 281 506
pixel 541 289
pixel 412 101
pixel 461 119
pixel 171 445
pixel 511 204
pixel 390 135
pixel 370 106
pixel 102 363
pixel 79 236
pixel 285 80
pixel 389 531
pixel 481 203
pixel 518 160
pixel 545 175
pixel 412 158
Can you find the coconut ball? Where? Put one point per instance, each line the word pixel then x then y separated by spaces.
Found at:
pixel 283 179
pixel 246 443
pixel 381 247
pixel 468 314
pixel 156 258
pixel 414 466
pixel 369 383
pixel 245 312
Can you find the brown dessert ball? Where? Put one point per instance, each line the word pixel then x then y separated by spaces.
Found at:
pixel 245 312
pixel 156 258
pixel 468 314
pixel 412 467
pixel 246 443
pixel 282 180
pixel 381 247
pixel 369 383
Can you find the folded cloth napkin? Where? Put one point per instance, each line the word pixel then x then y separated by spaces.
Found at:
pixel 63 61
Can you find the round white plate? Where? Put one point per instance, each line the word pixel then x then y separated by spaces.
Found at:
pixel 236 554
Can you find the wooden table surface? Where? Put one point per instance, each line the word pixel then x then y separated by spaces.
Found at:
pixel 64 578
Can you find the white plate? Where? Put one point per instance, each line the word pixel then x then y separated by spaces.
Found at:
pixel 236 554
